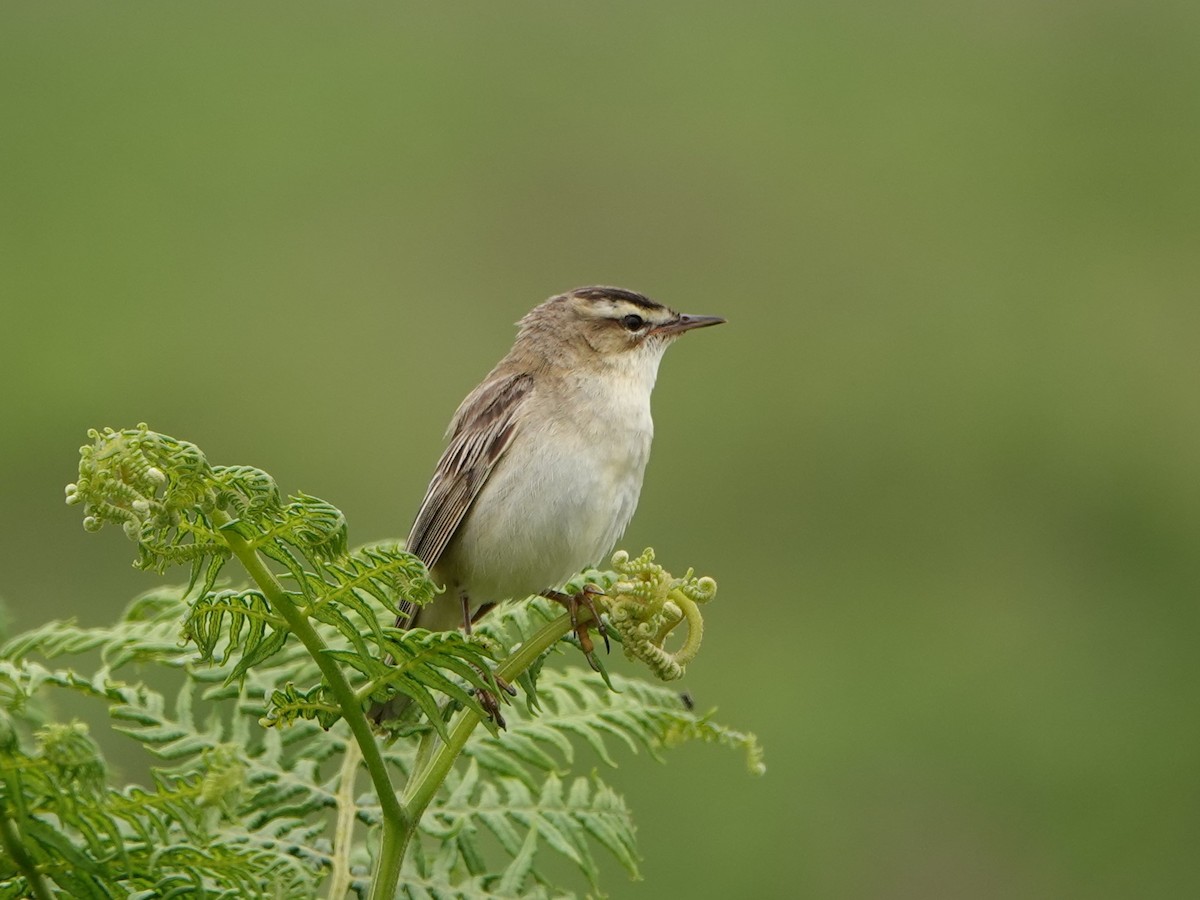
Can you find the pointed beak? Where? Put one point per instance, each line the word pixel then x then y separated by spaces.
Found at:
pixel 687 323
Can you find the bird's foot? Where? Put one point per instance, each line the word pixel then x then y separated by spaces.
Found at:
pixel 491 703
pixel 584 599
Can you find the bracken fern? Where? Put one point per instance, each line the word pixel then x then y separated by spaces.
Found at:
pixel 271 780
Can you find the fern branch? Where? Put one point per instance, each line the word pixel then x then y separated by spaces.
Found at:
pixel 521 819
pixel 88 840
pixel 343 836
pixel 423 785
pixel 397 821
pixel 281 601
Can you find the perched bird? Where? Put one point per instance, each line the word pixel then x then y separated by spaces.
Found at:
pixel 546 456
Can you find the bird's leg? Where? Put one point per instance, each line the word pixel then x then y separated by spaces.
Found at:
pixel 572 602
pixel 487 699
pixel 466 608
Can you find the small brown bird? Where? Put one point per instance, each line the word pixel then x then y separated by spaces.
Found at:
pixel 546 455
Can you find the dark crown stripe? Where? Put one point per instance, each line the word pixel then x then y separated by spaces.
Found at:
pixel 596 292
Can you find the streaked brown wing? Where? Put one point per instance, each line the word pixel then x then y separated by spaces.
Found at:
pixel 482 429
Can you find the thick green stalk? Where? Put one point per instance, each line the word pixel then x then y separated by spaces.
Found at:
pixel 397 823
pixel 423 784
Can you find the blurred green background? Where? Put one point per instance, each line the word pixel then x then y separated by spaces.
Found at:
pixel 942 460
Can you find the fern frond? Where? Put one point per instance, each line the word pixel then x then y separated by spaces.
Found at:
pixel 434 879
pixel 384 573
pixel 576 704
pixel 92 840
pixel 186 536
pixel 315 527
pixel 237 621
pixel 148 631
pixel 247 492
pixel 524 820
pixel 514 785
pixel 283 768
pixel 423 662
pixel 289 704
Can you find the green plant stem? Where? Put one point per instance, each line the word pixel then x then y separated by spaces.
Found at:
pixel 423 784
pixel 398 823
pixel 429 740
pixel 10 838
pixel 343 836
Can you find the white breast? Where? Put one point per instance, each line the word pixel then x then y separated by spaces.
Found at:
pixel 563 493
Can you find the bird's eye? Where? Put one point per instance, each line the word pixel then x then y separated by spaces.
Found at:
pixel 632 322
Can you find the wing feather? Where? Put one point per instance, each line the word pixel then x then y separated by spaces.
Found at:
pixel 481 431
